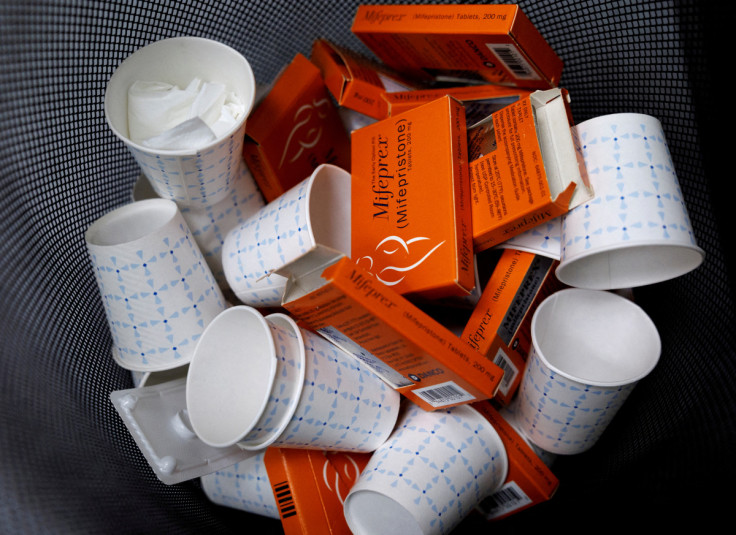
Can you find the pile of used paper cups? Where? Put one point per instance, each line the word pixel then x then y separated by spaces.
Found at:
pixel 233 389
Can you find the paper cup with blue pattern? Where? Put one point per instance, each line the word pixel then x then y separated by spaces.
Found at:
pixel 158 292
pixel 430 474
pixel 636 230
pixel 315 212
pixel 198 176
pixel 211 224
pixel 244 486
pixel 544 240
pixel 343 405
pixel 589 350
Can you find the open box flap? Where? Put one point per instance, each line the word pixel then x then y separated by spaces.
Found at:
pixel 559 149
pixel 304 274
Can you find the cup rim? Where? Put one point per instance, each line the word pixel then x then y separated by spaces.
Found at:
pixel 298 384
pixel 96 226
pixel 609 116
pixel 317 174
pixel 153 368
pixel 643 316
pixel 632 246
pixel 249 103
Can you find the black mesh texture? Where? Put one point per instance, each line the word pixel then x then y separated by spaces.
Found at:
pixel 67 463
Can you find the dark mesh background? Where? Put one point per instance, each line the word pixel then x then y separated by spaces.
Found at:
pixel 67 463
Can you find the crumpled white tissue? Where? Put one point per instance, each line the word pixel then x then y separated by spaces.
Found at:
pixel 164 116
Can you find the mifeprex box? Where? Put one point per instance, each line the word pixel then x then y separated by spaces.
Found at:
pixel 356 82
pixel 479 101
pixel 294 129
pixel 411 225
pixel 332 295
pixel 492 43
pixel 497 326
pixel 310 486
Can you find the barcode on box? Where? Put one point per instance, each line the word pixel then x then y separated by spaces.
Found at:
pixel 443 394
pixel 284 499
pixel 514 61
pixel 508 498
pixel 510 371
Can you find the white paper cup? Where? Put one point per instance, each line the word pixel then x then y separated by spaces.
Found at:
pixel 287 387
pixel 231 376
pixel 190 177
pixel 636 231
pixel 314 212
pixel 544 240
pixel 158 292
pixel 343 405
pixel 434 469
pixel 244 486
pixel 210 224
pixel 589 350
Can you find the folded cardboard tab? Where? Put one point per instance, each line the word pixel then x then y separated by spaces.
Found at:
pixel 494 43
pixel 293 129
pixel 529 481
pixel 409 350
pixel 410 201
pixel 496 326
pixel 525 168
pixel 355 81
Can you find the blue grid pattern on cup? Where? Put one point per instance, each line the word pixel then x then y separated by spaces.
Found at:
pixel 545 237
pixel 277 234
pixel 188 180
pixel 634 156
pixel 426 469
pixel 244 486
pixel 566 416
pixel 282 396
pixel 148 325
pixel 335 384
pixel 211 224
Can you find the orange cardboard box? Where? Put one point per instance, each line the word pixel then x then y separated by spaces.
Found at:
pixel 293 129
pixel 355 81
pixel 411 223
pixel 310 487
pixel 495 43
pixel 524 167
pixel 404 346
pixel 495 327
pixel 529 482
pixel 479 101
